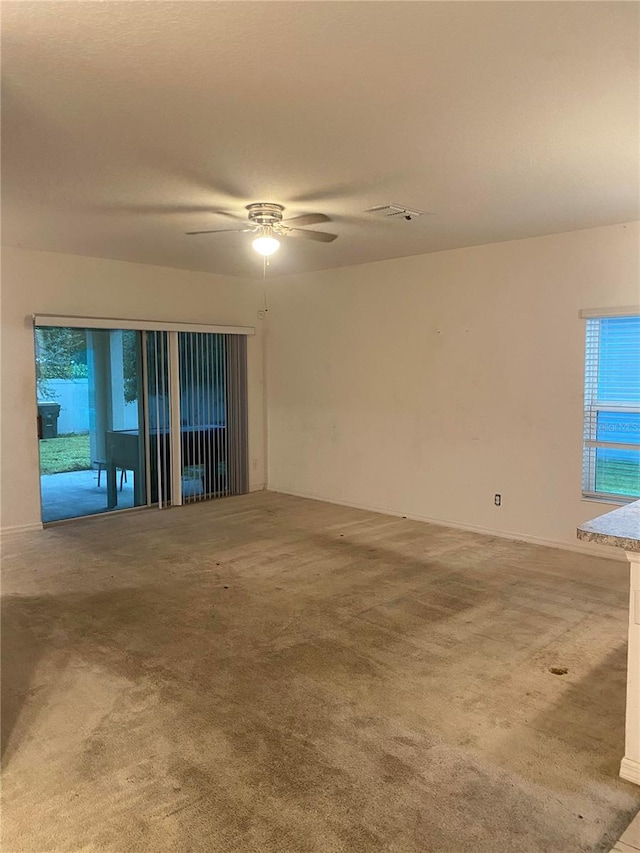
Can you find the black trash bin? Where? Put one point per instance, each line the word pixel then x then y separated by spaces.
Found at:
pixel 48 414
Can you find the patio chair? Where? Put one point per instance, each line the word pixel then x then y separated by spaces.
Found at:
pixel 102 464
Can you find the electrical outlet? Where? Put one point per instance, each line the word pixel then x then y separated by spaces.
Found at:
pixel 497 499
pixel 254 464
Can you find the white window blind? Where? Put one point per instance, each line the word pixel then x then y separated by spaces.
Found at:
pixel 611 451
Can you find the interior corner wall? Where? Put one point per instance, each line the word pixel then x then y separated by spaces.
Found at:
pixel 51 283
pixel 425 385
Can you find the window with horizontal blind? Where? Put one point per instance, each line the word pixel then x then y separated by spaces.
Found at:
pixel 611 451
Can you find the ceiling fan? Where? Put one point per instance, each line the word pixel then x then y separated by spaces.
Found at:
pixel 266 222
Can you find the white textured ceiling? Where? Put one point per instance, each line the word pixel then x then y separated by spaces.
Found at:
pixel 126 124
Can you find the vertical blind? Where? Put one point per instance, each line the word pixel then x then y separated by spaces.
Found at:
pixel 237 418
pixel 213 415
pixel 158 419
pixel 611 452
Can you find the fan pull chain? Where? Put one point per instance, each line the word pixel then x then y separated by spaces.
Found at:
pixel 265 264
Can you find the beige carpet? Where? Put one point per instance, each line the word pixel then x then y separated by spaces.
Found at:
pixel 266 673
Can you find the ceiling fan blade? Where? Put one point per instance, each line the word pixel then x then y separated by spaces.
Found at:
pixel 228 215
pixel 160 209
pixel 218 231
pixel 308 219
pixel 318 236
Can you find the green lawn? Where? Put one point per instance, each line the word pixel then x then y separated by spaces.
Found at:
pixel 618 477
pixel 65 453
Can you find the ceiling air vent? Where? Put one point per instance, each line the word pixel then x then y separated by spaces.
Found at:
pixel 395 211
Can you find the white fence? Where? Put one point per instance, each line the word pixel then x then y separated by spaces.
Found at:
pixel 73 398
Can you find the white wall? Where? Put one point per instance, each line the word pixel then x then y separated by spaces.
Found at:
pixel 50 283
pixel 72 395
pixel 422 386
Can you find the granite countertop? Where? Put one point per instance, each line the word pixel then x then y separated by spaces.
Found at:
pixel 620 528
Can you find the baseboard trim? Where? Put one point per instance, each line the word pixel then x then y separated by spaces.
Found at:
pixel 257 487
pixel 592 550
pixel 630 770
pixel 20 528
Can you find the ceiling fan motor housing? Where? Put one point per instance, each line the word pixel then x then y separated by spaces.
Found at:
pixel 265 213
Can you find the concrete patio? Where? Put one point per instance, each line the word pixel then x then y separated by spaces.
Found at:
pixel 76 493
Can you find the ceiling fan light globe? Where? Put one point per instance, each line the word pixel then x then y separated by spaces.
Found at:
pixel 266 245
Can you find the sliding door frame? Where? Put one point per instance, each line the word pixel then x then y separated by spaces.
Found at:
pixel 175 437
pixel 74 322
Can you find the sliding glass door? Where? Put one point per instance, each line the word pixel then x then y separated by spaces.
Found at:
pixel 130 418
pixel 90 394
